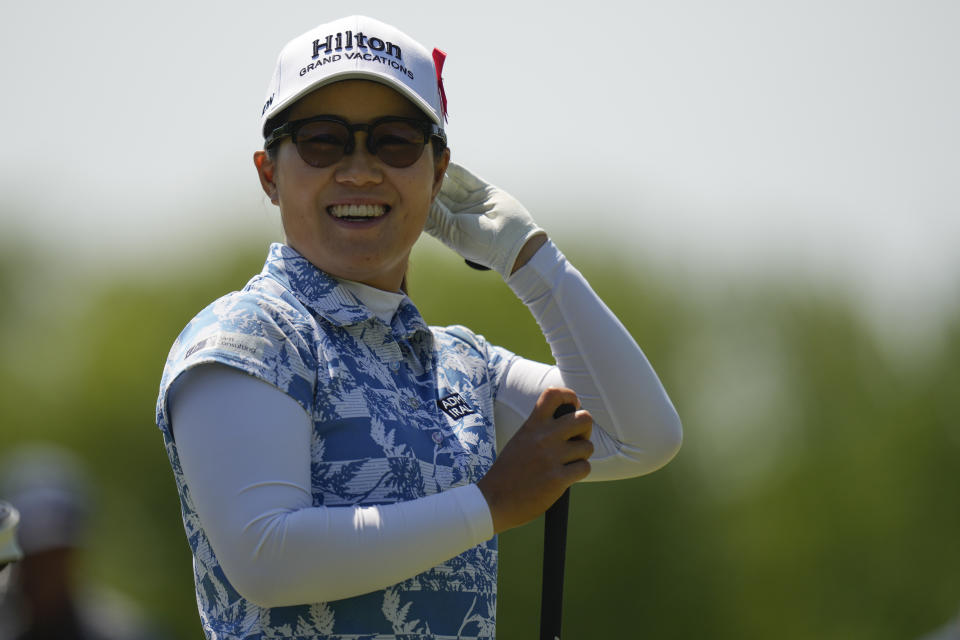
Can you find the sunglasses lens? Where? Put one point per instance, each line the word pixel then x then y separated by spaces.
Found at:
pixel 397 143
pixel 322 143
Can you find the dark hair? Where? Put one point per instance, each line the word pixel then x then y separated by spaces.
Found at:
pixel 276 121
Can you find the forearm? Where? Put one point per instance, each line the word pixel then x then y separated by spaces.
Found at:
pixel 637 429
pixel 255 504
pixel 295 556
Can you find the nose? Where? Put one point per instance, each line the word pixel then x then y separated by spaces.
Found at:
pixel 360 167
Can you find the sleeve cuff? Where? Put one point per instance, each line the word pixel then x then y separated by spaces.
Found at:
pixel 532 280
pixel 475 511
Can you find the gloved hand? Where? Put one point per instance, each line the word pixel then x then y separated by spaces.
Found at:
pixel 482 223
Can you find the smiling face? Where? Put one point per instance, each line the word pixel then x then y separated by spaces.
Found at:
pixel 358 218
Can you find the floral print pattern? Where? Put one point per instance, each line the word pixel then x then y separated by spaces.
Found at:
pixel 379 437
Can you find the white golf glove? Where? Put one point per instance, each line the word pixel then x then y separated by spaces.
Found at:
pixel 482 223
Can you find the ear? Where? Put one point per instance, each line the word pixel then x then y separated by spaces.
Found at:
pixel 265 169
pixel 439 169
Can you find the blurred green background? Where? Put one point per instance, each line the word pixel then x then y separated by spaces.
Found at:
pixel 773 181
pixel 815 495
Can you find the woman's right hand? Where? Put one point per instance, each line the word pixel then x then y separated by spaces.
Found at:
pixel 540 461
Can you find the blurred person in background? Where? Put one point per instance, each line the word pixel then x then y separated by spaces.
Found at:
pixel 344 468
pixel 46 597
pixel 9 549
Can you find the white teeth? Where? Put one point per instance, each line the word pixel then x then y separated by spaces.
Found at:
pixel 357 210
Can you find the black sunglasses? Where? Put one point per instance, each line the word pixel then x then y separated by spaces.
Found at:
pixel 323 140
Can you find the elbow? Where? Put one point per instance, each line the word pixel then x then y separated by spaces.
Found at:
pixel 252 584
pixel 252 562
pixel 672 438
pixel 264 567
pixel 258 595
pixel 663 447
pixel 264 587
pixel 661 440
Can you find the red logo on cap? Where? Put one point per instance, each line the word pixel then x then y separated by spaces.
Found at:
pixel 438 59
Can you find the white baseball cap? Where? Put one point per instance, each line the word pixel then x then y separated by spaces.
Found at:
pixel 357 47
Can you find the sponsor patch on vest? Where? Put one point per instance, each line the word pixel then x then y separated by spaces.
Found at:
pixel 455 406
pixel 240 343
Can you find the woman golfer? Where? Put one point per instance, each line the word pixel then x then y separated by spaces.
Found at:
pixel 343 467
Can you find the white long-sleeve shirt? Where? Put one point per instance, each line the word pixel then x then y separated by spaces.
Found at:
pixel 244 449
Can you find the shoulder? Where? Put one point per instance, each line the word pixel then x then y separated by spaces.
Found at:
pixel 259 331
pixel 459 336
pixel 459 333
pixel 263 312
pixel 264 300
pixel 458 342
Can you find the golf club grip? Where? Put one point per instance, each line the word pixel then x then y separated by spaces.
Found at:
pixel 554 558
